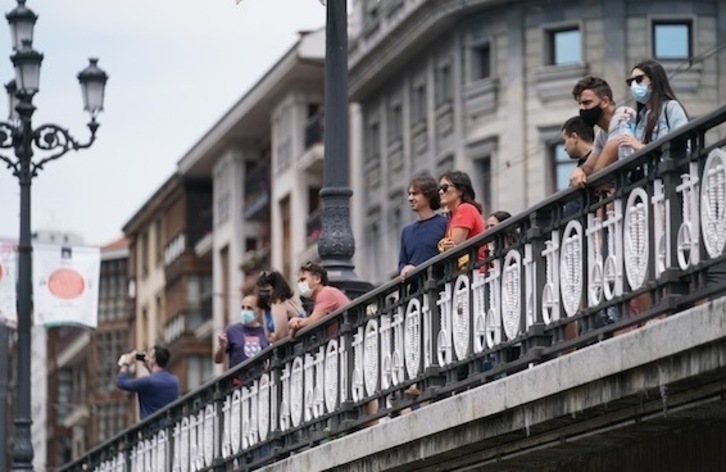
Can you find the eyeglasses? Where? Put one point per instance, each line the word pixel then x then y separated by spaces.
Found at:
pixel 638 79
pixel 444 187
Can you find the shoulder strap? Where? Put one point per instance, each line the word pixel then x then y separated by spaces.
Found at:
pixel 668 125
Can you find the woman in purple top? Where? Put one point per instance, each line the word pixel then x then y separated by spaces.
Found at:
pixel 244 339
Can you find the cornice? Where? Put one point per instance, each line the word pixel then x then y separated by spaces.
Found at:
pixel 386 55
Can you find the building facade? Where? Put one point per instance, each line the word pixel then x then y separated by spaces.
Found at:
pixel 484 86
pixel 264 157
pixel 170 282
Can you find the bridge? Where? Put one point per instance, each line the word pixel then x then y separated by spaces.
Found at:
pixel 591 336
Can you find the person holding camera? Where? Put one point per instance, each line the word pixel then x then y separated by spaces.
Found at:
pixel 155 391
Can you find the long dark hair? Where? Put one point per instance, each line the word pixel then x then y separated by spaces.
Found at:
pixel 281 290
pixel 661 92
pixel 462 182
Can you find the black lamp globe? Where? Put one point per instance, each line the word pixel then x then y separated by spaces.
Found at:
pixel 21 20
pixel 93 85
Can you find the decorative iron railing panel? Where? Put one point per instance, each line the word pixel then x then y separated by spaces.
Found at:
pixel 646 239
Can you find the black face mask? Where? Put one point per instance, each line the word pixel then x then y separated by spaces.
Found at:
pixel 263 301
pixel 592 115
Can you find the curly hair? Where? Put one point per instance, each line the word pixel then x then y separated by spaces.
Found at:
pixel 316 269
pixel 426 185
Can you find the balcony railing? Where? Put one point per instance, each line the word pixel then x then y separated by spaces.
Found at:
pixel 578 267
pixel 256 192
pixel 314 130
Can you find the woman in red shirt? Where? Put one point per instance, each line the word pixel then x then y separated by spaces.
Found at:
pixel 465 220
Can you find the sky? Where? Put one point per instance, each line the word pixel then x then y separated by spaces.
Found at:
pixel 175 67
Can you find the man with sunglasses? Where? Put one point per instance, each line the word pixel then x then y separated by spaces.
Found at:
pixel 597 107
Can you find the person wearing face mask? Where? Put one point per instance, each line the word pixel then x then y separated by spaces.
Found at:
pixel 659 111
pixel 154 391
pixel 275 297
pixel 597 107
pixel 243 339
pixel 313 284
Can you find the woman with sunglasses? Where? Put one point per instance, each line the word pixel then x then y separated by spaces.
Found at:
pixel 275 298
pixel 465 221
pixel 659 111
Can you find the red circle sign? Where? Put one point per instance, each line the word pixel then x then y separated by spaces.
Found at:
pixel 66 284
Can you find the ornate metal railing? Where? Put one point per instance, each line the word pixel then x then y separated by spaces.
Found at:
pixel 645 240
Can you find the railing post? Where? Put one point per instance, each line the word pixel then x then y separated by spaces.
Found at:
pixel 537 337
pixel 433 377
pixel 673 160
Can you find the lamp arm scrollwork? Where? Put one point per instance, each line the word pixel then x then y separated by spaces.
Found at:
pixel 50 137
pixel 7 131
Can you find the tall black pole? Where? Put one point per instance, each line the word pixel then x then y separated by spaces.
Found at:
pixel 4 374
pixel 336 245
pixel 23 445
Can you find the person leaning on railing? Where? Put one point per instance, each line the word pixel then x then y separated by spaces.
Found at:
pixel 154 391
pixel 275 298
pixel 597 107
pixel 313 284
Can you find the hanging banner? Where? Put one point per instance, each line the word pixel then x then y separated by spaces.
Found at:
pixel 8 283
pixel 65 284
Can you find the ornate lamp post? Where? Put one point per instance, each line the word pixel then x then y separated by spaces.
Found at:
pixel 52 142
pixel 336 245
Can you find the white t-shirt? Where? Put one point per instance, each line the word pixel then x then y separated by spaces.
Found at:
pixel 604 136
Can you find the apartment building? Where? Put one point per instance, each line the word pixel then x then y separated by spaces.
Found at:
pixel 485 85
pixel 264 157
pixel 170 283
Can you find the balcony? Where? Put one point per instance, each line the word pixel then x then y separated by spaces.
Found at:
pixel 256 194
pixel 314 130
pixel 191 321
pixel 519 353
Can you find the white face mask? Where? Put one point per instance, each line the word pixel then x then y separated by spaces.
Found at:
pixel 304 288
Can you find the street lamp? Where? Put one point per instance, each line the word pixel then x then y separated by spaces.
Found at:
pixel 53 142
pixel 336 244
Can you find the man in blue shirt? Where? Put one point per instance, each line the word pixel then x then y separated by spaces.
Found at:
pixel 155 391
pixel 419 239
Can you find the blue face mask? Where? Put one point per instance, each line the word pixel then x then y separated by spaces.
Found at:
pixel 640 92
pixel 247 316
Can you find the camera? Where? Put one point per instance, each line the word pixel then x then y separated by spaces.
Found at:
pixel 141 357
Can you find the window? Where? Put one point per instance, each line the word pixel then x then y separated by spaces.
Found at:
pixel 395 122
pixel 484 180
pixel 418 103
pixel 373 140
pixel 481 62
pixel 112 294
pixel 145 254
pixel 159 241
pixel 108 347
pixel 672 40
pixel 565 47
pixel 562 166
pixel 443 84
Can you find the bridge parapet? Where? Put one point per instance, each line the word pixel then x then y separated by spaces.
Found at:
pixel 644 241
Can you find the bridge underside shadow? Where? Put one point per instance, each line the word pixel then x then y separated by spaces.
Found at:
pixel 651 399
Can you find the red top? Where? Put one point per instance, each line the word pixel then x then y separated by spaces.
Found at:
pixel 467 216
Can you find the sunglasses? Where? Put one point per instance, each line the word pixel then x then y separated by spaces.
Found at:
pixel 638 79
pixel 445 187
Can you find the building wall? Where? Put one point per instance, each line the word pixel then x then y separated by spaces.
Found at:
pixel 149 282
pixel 296 175
pixel 429 107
